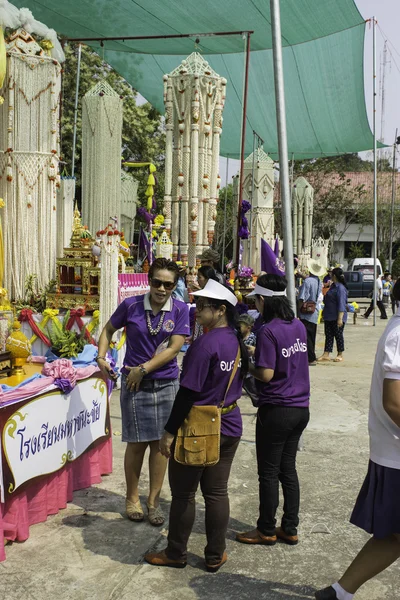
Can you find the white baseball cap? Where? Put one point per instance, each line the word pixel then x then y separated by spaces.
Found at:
pixel 262 291
pixel 216 291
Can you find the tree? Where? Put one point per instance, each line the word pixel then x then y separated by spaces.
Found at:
pixel 356 251
pixel 143 138
pixel 225 215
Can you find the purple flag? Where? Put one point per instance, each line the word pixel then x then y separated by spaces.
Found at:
pixel 276 248
pixel 269 262
pixel 144 243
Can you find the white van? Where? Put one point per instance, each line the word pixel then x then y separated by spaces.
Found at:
pixel 366 266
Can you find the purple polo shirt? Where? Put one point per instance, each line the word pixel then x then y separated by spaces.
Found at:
pixel 282 347
pixel 206 370
pixel 140 345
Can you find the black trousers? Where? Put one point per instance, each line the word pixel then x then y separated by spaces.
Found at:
pixel 249 386
pixel 311 337
pixel 333 332
pixel 184 481
pixel 278 431
pixel 381 307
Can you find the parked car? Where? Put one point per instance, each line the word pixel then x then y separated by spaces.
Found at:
pixel 357 284
pixel 366 266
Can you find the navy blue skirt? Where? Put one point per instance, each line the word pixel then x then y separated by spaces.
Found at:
pixel 377 508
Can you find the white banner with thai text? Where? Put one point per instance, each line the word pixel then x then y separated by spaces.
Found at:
pixel 53 429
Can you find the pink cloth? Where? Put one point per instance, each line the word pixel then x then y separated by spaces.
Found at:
pixel 61 369
pixel 38 385
pixel 51 493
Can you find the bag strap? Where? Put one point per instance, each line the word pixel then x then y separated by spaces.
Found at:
pixel 232 377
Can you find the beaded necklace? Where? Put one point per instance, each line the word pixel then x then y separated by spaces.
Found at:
pixel 150 328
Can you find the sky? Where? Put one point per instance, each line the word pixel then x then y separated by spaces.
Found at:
pixel 387 13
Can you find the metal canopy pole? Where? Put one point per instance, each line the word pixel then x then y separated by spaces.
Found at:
pixel 226 196
pixel 78 76
pixel 393 201
pixel 283 151
pixel 127 38
pixel 242 150
pixel 375 166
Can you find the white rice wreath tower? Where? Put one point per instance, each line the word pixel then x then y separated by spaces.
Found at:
pixel 194 97
pixel 65 213
pixel 101 156
pixel 129 202
pixel 29 149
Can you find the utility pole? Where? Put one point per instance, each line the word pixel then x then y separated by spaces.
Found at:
pixel 394 173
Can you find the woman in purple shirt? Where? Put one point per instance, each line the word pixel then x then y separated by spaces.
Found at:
pixel 206 372
pixel 335 316
pixel 156 327
pixel 283 383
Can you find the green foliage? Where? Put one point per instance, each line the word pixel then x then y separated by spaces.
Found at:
pixel 396 265
pixel 65 343
pixel 356 251
pixel 143 138
pixel 225 215
pixel 35 297
pixel 382 259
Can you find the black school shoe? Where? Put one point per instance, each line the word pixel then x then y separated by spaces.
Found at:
pixel 327 594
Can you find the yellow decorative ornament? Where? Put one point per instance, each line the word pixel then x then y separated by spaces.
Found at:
pixel 239 296
pixel 47 46
pixel 18 345
pixel 49 314
pixel 3 61
pixel 94 323
pixel 121 341
pixel 159 220
pixel 150 180
pixel 2 203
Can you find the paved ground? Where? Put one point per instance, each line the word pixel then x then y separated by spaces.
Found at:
pixel 91 551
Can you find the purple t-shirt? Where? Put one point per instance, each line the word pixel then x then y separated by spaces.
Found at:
pixel 282 347
pixel 140 345
pixel 207 368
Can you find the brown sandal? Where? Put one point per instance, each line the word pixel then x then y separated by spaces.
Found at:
pixel 155 515
pixel 134 511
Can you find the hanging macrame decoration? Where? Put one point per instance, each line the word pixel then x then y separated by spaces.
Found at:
pixel 194 97
pixel 65 213
pixel 129 202
pixel 101 155
pixel 29 147
pixel 109 240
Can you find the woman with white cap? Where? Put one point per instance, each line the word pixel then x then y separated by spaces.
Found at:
pixel 310 295
pixel 283 383
pixel 210 375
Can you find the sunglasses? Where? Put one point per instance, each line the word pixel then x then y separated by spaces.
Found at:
pixel 157 283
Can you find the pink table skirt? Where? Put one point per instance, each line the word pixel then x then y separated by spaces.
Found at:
pixel 51 494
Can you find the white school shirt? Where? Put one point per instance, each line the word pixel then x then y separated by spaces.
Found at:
pixel 384 434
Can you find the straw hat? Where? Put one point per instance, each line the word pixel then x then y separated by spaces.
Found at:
pixel 316 268
pixel 210 254
pixel 216 291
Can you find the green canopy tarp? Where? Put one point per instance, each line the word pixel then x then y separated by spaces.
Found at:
pixel 323 61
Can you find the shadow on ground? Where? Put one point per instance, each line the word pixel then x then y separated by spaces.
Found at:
pixel 228 586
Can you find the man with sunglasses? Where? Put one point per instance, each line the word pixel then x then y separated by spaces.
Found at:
pixel 156 327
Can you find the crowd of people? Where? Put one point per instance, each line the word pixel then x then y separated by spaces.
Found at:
pixel 267 354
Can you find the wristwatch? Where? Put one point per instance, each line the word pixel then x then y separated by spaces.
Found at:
pixel 100 358
pixel 143 370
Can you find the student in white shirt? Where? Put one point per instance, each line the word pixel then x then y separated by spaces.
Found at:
pixel 379 303
pixel 377 509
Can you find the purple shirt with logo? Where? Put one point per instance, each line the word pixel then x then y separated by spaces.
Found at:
pixel 282 347
pixel 140 345
pixel 207 368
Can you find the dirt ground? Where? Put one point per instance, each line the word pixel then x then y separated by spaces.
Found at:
pixel 90 550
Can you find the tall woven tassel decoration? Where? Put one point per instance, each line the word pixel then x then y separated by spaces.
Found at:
pixel 194 97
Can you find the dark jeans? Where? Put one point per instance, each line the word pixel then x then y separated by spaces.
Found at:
pixel 184 481
pixel 278 432
pixel 311 337
pixel 381 307
pixel 333 332
pixel 249 386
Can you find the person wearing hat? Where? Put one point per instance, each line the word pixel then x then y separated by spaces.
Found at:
pixel 310 291
pixel 210 258
pixel 206 373
pixel 283 384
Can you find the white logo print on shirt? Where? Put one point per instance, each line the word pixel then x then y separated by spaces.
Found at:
pixel 228 366
pixel 298 346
